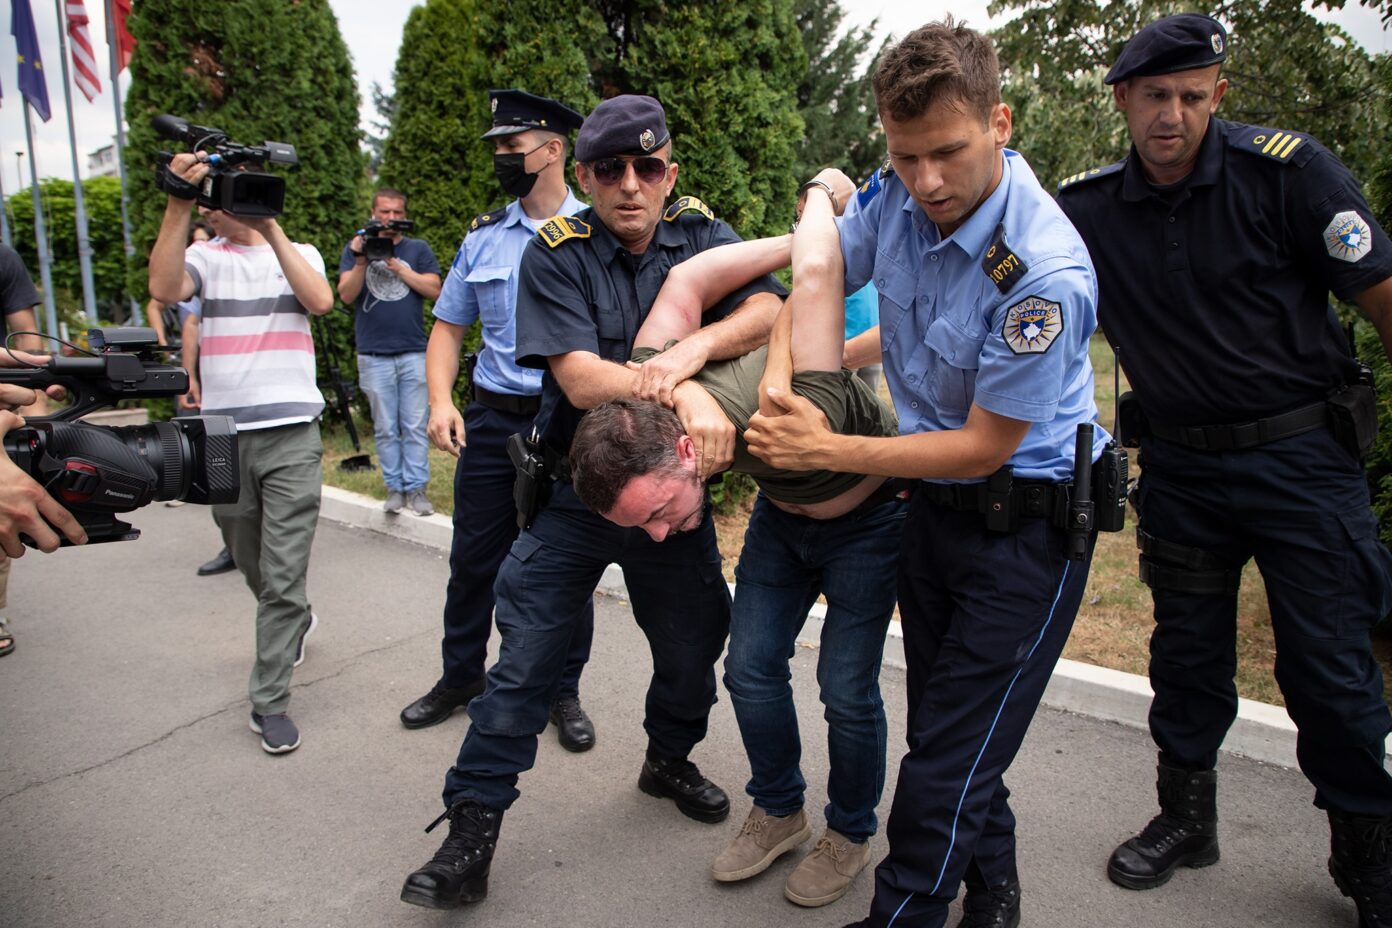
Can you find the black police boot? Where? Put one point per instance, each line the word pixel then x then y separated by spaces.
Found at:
pixel 1361 863
pixel 438 704
pixel 458 872
pixel 1184 834
pixel 680 780
pixel 573 727
pixel 991 906
pixel 220 564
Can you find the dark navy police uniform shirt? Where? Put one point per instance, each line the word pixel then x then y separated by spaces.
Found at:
pixel 1231 270
pixel 390 315
pixel 581 290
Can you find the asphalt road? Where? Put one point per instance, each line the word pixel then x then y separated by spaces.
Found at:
pixel 133 794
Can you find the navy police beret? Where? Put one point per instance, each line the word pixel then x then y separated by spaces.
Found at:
pixel 1175 43
pixel 517 111
pixel 624 125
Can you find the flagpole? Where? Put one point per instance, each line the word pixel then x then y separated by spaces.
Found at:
pixel 41 237
pixel 115 56
pixel 5 209
pixel 84 243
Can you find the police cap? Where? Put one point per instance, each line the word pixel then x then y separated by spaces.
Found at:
pixel 623 125
pixel 1176 43
pixel 517 111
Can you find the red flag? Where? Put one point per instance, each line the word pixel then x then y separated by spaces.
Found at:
pixel 125 42
pixel 84 62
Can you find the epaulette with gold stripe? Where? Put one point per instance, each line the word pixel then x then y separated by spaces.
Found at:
pixel 558 229
pixel 687 205
pixel 1091 174
pixel 1277 144
pixel 487 219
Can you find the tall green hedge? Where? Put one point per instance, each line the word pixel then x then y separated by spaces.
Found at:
pixel 259 70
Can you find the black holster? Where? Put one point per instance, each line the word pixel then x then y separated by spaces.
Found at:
pixel 531 487
pixel 1131 421
pixel 1353 418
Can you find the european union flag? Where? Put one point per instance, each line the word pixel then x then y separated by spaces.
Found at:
pixel 31 75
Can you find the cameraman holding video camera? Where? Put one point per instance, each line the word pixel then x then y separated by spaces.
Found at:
pixel 257 366
pixel 385 276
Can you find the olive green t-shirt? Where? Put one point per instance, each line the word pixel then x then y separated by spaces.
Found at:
pixel 849 405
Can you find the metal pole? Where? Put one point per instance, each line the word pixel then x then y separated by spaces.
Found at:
pixel 84 243
pixel 5 216
pixel 41 237
pixel 136 317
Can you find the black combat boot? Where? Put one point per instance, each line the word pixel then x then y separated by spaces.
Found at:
pixel 1184 834
pixel 991 906
pixel 1361 865
pixel 459 870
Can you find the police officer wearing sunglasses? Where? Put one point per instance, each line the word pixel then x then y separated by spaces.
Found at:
pixel 586 284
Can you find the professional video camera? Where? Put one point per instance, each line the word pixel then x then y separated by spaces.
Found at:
pixel 241 193
pixel 97 471
pixel 377 236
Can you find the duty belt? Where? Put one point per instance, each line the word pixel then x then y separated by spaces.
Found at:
pixel 1240 436
pixel 1028 498
pixel 507 402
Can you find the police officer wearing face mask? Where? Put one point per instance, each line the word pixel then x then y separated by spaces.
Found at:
pixel 529 136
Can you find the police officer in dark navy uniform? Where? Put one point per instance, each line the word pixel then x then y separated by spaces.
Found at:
pixel 1216 246
pixel 529 141
pixel 587 283
pixel 987 301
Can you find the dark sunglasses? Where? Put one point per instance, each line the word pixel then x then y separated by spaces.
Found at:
pixel 609 171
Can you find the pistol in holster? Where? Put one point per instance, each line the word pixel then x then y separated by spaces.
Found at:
pixel 531 486
pixel 1353 416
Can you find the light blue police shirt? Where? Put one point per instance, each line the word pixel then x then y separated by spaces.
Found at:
pixel 482 284
pixel 998 314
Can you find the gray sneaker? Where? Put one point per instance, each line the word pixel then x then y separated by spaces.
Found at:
pixel 420 505
pixel 309 630
pixel 278 734
pixel 396 501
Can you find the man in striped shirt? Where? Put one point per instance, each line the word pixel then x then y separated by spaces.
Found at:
pixel 258 289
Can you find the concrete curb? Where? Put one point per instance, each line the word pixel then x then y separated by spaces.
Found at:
pixel 1262 732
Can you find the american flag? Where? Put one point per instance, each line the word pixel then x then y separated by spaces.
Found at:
pixel 84 62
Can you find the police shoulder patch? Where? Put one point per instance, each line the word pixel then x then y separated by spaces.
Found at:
pixel 1032 325
pixel 867 191
pixel 687 205
pixel 1091 174
pixel 1348 237
pixel 558 229
pixel 1002 265
pixel 487 219
pixel 1295 148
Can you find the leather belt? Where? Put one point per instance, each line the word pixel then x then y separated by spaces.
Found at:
pixel 1240 436
pixel 1035 499
pixel 507 402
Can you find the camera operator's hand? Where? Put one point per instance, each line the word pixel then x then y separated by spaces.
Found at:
pixel 356 247
pixel 190 169
pixel 26 507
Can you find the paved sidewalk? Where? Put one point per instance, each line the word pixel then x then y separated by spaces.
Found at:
pixel 133 794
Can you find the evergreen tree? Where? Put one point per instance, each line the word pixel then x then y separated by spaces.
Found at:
pixel 835 98
pixel 258 70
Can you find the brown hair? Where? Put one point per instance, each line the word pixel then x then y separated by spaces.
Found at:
pixel 940 63
pixel 618 441
pixel 388 193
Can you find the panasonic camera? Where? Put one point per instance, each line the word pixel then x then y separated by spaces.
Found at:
pixel 98 471
pixel 228 186
pixel 377 236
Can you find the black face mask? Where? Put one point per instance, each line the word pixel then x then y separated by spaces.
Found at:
pixel 512 176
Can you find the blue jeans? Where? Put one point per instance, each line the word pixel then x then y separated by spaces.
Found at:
pixel 788 560
pixel 395 386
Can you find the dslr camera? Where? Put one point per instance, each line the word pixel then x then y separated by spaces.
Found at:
pixel 377 237
pixel 227 186
pixel 99 471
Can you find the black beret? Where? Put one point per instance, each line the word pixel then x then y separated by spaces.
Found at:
pixel 1175 43
pixel 624 125
pixel 517 111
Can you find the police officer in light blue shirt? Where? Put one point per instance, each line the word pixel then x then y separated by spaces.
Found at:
pixel 529 137
pixel 987 302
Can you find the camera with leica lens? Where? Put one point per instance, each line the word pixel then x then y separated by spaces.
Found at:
pixel 98 471
pixel 228 186
pixel 378 236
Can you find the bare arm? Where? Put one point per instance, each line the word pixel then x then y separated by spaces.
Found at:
pixel 310 287
pixel 446 425
pixel 154 318
pixel 188 335
pixel 863 350
pixel 169 282
pixel 350 282
pixel 1376 304
pixel 427 285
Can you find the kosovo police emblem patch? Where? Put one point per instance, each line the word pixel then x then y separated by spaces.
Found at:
pixel 647 140
pixel 1347 237
pixel 1032 324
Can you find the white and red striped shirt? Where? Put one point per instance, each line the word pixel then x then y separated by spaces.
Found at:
pixel 256 354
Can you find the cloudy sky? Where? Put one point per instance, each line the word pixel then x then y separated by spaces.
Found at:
pixel 372 29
